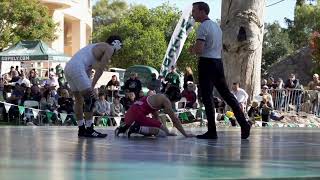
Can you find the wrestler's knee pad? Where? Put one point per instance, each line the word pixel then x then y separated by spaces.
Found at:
pixel 88 103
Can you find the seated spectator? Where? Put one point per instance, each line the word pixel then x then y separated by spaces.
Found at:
pixel 29 96
pixel 254 111
pixel 140 95
pixel 154 84
pixel 14 76
pixel 65 102
pixel 116 107
pixel 113 86
pixel 219 105
pixel 128 100
pixel 52 82
pixel 240 94
pixel 101 107
pixel 49 103
pixel 190 95
pixel 266 108
pixel 23 79
pixel 34 80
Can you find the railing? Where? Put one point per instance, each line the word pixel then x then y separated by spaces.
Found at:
pixel 296 100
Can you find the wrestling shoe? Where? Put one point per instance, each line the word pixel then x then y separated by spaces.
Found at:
pixel 81 131
pixel 134 128
pixel 120 130
pixel 90 132
pixel 208 135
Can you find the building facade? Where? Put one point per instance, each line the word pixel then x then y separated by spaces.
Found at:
pixel 74 19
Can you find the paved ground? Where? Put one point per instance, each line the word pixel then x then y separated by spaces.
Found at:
pixel 57 153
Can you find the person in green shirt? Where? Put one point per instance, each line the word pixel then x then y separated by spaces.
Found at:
pixel 173 78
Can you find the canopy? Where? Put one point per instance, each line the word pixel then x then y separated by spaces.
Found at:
pixel 32 51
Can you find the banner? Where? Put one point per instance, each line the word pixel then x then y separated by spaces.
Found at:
pixel 21 109
pixel 177 41
pixel 35 112
pixel 63 116
pixel 7 107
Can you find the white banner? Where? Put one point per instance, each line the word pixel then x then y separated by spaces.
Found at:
pixel 35 112
pixel 7 107
pixel 177 41
pixel 63 117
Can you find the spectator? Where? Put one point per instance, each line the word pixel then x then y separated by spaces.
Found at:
pixel 315 84
pixel 241 95
pixel 24 80
pixel 154 84
pixel 14 76
pixel 292 82
pixel 188 77
pixel 295 88
pixel 49 104
pixel 133 84
pixel 113 86
pixel 266 109
pixel 173 78
pixel 34 80
pixel 141 95
pixel 279 84
pixel 271 84
pixel 190 95
pixel 263 82
pixel 116 107
pixel 254 111
pixel 52 82
pixel 264 93
pixel 101 107
pixel 128 100
pixel 65 102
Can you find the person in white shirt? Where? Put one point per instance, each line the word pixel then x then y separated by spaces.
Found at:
pixel 241 95
pixel 52 82
pixel 24 80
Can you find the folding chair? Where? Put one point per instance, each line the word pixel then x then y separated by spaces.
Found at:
pixel 31 104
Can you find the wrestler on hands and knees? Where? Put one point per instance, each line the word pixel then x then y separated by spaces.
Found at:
pixel 136 120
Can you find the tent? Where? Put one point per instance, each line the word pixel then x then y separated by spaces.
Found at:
pixel 26 53
pixel 32 51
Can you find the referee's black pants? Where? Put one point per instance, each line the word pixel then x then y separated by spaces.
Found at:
pixel 211 73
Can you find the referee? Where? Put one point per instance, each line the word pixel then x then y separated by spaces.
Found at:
pixel 208 47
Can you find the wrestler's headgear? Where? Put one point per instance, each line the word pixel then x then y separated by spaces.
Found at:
pixel 173 93
pixel 115 42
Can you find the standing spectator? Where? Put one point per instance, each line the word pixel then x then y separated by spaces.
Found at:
pixel 188 77
pixel 294 87
pixel 241 95
pixel 208 47
pixel 271 84
pixel 154 84
pixel 113 86
pixel 279 84
pixel 133 84
pixel 173 78
pixel 315 84
pixel 264 82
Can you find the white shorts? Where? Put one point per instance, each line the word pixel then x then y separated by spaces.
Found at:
pixel 77 77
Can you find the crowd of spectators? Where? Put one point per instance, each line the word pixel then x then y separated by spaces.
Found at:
pixel 53 95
